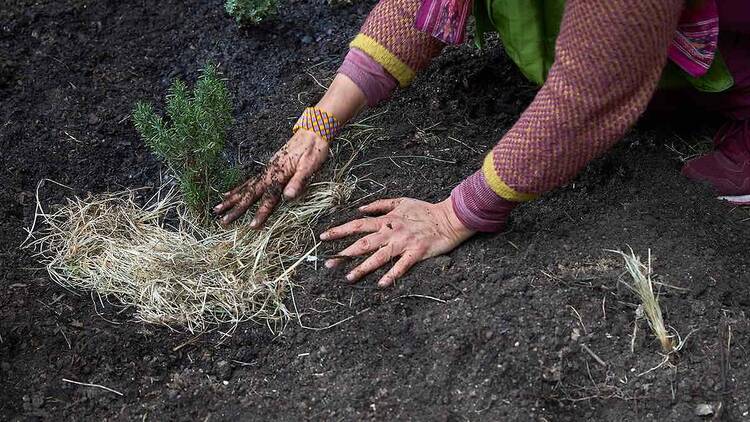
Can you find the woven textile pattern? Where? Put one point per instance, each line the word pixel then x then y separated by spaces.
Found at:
pixel 318 121
pixel 390 27
pixel 608 59
pixel 694 45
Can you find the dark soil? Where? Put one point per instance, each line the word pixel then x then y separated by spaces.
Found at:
pixel 505 340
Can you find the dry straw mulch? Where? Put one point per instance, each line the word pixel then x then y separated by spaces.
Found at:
pixel 157 259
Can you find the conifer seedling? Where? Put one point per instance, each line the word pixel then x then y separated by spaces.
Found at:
pixel 192 141
pixel 250 12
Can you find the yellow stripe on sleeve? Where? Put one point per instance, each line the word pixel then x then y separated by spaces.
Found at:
pixel 498 186
pixel 398 69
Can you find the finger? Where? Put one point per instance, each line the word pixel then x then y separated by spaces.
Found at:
pixel 372 263
pixel 268 203
pixel 362 246
pixel 407 260
pixel 239 206
pixel 242 187
pixel 362 225
pixel 297 183
pixel 227 203
pixel 240 200
pixel 381 206
pixel 235 195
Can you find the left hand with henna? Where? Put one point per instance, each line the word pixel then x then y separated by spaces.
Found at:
pixel 292 166
pixel 407 229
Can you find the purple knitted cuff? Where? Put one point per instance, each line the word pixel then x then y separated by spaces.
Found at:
pixel 478 207
pixel 374 81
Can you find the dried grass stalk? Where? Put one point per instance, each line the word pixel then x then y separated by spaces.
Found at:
pixel 643 287
pixel 159 260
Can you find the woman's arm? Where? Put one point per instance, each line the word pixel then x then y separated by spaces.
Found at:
pixel 291 168
pixel 608 60
pixel 389 48
pixel 390 38
pixel 609 57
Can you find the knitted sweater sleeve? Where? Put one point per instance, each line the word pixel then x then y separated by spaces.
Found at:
pixel 608 60
pixel 389 37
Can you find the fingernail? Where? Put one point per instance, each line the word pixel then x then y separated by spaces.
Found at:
pixel 253 222
pixel 350 277
pixel 290 193
pixel 217 208
pixel 383 283
pixel 329 263
pixel 324 236
pixel 225 193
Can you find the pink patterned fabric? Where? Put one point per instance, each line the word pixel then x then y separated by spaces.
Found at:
pixel 444 19
pixel 478 207
pixel 693 47
pixel 696 38
pixel 733 103
pixel 374 81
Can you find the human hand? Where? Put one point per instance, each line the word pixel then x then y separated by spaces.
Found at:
pixel 410 229
pixel 288 172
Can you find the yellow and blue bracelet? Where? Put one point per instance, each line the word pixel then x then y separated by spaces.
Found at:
pixel 318 121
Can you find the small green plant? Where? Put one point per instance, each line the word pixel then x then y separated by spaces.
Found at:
pixel 251 12
pixel 192 142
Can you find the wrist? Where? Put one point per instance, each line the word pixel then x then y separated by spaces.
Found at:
pixel 460 231
pixel 320 122
pixel 310 137
pixel 344 99
pixel 478 207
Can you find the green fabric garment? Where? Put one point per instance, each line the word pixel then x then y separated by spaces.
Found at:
pixel 717 79
pixel 529 28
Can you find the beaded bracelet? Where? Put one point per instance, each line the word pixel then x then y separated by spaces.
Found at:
pixel 318 121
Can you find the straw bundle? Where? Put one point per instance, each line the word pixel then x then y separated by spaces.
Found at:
pixel 158 259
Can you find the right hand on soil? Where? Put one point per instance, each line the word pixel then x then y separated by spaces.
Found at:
pixel 288 172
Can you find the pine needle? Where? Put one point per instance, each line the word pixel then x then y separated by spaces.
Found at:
pixel 191 141
pixel 251 12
